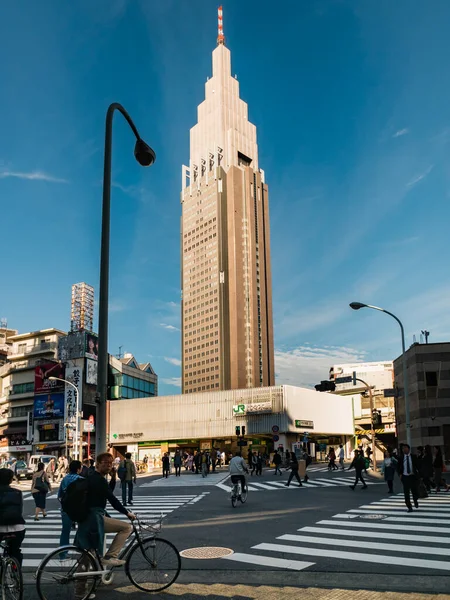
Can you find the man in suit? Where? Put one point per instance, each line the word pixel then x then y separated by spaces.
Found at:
pixel 409 475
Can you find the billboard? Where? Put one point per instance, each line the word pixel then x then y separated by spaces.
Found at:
pixel 49 406
pixel 42 384
pixel 75 376
pixel 91 371
pixel 91 348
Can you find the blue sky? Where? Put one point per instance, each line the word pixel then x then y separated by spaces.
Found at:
pixel 352 105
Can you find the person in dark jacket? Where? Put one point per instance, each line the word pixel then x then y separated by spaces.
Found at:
pixel 388 468
pixel 177 461
pixel 12 523
pixel 259 463
pixel 426 468
pixel 294 471
pixel 358 464
pixel 197 462
pixel 166 465
pixel 409 474
pixel 438 465
pixel 277 462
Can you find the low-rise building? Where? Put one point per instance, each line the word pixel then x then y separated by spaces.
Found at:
pixel 429 395
pixel 264 418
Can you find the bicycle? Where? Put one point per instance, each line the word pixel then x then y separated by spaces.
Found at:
pixel 11 580
pixel 237 493
pixel 152 565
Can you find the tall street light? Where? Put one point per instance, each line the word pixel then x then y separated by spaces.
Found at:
pixel 357 306
pixel 75 446
pixel 145 157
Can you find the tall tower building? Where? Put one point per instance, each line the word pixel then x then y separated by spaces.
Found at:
pixel 227 327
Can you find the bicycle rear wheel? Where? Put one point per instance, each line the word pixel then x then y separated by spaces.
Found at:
pixel 153 565
pixel 64 575
pixel 12 581
pixel 244 496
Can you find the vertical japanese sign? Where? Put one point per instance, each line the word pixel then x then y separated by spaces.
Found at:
pixel 74 375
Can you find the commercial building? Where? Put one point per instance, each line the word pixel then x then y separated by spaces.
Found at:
pixel 267 418
pixel 429 395
pixel 380 377
pixel 18 429
pixel 226 306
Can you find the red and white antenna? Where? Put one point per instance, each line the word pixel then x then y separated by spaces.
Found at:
pixel 220 37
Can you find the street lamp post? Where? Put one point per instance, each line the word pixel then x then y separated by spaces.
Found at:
pixel 75 446
pixel 357 306
pixel 145 157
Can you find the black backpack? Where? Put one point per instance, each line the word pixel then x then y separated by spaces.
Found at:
pixel 74 500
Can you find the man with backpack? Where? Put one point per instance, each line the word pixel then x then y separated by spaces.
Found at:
pixel 359 464
pixel 67 523
pixel 127 475
pixel 84 501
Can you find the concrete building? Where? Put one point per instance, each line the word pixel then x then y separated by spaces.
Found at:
pixel 6 344
pixel 380 377
pixel 429 395
pixel 17 393
pixel 273 417
pixel 226 307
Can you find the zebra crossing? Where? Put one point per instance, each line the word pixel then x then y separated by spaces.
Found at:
pixel 381 532
pixel 256 486
pixel 43 536
pixel 187 480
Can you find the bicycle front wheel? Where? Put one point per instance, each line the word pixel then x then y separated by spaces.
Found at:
pixel 153 565
pixel 65 575
pixel 244 495
pixel 12 581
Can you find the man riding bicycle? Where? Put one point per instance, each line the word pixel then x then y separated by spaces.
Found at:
pixel 238 468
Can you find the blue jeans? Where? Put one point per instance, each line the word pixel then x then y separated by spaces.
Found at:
pixel 126 484
pixel 64 539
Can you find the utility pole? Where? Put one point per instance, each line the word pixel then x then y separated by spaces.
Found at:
pixel 372 429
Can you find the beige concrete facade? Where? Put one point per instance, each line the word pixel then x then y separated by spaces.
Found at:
pixel 227 326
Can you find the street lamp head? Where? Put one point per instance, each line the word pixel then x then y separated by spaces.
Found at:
pixel 53 378
pixel 357 305
pixel 144 154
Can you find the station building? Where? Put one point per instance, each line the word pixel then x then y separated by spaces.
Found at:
pixel 261 419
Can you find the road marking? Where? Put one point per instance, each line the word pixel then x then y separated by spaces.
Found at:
pixel 309 539
pixel 358 556
pixel 269 561
pixel 425 513
pixel 322 482
pixel 262 485
pixel 369 534
pixel 385 525
pixel 380 506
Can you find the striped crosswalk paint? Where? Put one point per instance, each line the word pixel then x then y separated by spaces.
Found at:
pixel 43 536
pixel 417 540
pixel 188 480
pixel 280 484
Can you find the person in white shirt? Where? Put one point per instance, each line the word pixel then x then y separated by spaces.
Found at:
pixel 238 469
pixel 409 475
pixel 341 455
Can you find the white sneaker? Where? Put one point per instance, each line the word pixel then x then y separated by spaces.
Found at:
pixel 113 562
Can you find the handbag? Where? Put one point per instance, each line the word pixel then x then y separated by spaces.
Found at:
pixel 422 491
pixel 41 485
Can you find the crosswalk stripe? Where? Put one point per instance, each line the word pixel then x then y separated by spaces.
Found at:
pixel 282 563
pixel 358 556
pixel 369 534
pixel 385 525
pixel 425 513
pixel 410 517
pixel 400 507
pixel 323 482
pixel 262 485
pixel 308 539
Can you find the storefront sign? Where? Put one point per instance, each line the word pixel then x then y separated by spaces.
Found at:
pixel 304 424
pixel 91 371
pixel 49 406
pixel 124 436
pixel 27 448
pixel 42 383
pixel 256 408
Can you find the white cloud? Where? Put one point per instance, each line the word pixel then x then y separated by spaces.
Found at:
pixel 400 132
pixel 169 327
pixel 420 177
pixel 116 306
pixel 173 361
pixel 306 366
pixel 175 381
pixel 32 176
pixel 294 322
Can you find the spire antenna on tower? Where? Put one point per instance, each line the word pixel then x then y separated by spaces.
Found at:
pixel 220 37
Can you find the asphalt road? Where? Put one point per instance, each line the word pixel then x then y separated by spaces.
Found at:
pixel 323 534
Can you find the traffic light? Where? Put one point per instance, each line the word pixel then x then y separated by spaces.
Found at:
pixel 243 429
pixel 376 418
pixel 325 386
pixel 238 430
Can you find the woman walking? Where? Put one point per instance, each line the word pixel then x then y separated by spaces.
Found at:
pixel 388 468
pixel 332 459
pixel 358 464
pixel 294 471
pixel 259 464
pixel 438 465
pixel 40 487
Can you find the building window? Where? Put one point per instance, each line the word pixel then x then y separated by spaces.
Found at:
pixel 22 388
pixel 21 348
pixel 20 411
pixel 431 378
pixel 434 431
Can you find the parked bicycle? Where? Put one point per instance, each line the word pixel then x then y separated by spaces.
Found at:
pixel 152 565
pixel 11 580
pixel 238 494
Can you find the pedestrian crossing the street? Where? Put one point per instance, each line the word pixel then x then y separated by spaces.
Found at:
pixel 277 485
pixel 43 536
pixel 380 532
pixel 188 480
